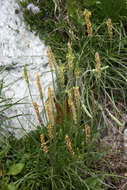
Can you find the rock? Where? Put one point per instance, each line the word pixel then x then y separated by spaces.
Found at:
pixel 19 47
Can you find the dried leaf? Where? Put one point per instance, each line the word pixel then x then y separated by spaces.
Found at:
pixel 59 113
pixel 1 173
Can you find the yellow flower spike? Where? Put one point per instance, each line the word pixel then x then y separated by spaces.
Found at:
pixel 70 57
pixel 77 71
pixel 69 100
pixel 50 114
pixel 87 131
pixel 87 14
pixel 26 75
pixel 61 69
pixel 39 85
pixel 50 96
pixel 98 65
pixel 50 131
pixel 67 91
pixel 109 24
pixel 43 144
pixel 68 143
pixel 71 104
pixel 61 73
pixel 38 113
pixel 97 58
pixel 76 94
pixel 52 61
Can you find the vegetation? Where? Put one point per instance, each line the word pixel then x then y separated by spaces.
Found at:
pixel 89 44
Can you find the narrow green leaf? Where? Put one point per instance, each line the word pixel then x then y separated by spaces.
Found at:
pixel 87 112
pixel 114 118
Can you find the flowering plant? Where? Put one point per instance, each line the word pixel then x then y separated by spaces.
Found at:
pixel 33 8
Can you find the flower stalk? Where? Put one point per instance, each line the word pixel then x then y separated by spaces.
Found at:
pixel 68 143
pixel 50 97
pixel 76 94
pixel 98 65
pixel 87 15
pixel 70 57
pixel 43 144
pixel 71 105
pixel 38 113
pixel 50 114
pixel 52 63
pixel 87 131
pixel 50 131
pixel 40 92
pixel 52 60
pixel 109 24
pixel 61 74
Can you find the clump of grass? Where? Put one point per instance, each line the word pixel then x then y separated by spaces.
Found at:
pixel 72 21
pixel 91 92
pixel 66 153
pixel 60 154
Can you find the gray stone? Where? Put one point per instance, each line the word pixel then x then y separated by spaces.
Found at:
pixel 19 47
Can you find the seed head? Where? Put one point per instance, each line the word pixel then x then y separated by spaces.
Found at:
pixel 70 56
pixel 38 113
pixel 50 131
pixel 50 114
pixel 109 24
pixel 76 94
pixel 26 75
pixel 52 61
pixel 50 96
pixel 98 65
pixel 71 104
pixel 77 71
pixel 43 144
pixel 87 131
pixel 87 15
pixel 68 143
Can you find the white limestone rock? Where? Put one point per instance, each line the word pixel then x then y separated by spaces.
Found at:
pixel 19 47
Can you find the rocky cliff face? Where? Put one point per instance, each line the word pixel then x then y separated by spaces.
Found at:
pixel 19 47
